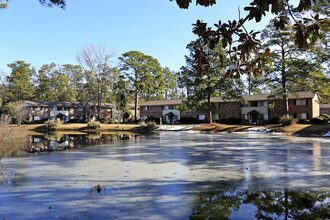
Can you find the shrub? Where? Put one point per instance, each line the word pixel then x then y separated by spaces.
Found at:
pixel 85 120
pixel 188 120
pixel 104 120
pixel 73 120
pixel 53 124
pixel 153 119
pixel 223 121
pixel 274 120
pixel 43 120
pixel 287 120
pixel 325 116
pixel 234 121
pixel 303 121
pixel 93 124
pixel 149 126
pixel 319 120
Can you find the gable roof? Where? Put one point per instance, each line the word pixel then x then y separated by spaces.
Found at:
pixel 162 102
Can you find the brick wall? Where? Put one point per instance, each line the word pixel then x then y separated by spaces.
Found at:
pixel 278 109
pixel 195 114
pixel 325 111
pixel 228 110
pixel 154 111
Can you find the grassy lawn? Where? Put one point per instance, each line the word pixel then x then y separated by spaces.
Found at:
pixel 303 130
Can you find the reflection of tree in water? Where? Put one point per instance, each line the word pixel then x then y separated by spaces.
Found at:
pixel 216 205
pixel 290 204
pixel 270 204
pixel 61 141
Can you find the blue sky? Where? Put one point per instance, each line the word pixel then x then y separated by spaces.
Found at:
pixel 41 35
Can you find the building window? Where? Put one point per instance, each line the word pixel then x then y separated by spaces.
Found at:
pixel 254 104
pixel 263 104
pixel 37 108
pixel 201 117
pixel 36 140
pixel 59 108
pixel 261 117
pixel 36 118
pixel 65 108
pixel 301 115
pixel 145 108
pixel 301 102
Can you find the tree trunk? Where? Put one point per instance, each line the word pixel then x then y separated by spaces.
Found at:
pixel 284 81
pixel 210 108
pixel 98 99
pixel 136 102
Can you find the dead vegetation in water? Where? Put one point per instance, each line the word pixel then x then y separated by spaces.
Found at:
pixel 12 142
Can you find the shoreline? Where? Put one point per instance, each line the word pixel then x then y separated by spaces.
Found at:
pixel 301 130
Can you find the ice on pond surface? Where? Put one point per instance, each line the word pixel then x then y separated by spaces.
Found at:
pixel 174 175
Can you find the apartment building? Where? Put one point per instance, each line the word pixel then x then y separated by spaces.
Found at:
pixel 40 110
pixel 253 109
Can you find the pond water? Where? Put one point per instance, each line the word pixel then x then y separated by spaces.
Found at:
pixel 173 175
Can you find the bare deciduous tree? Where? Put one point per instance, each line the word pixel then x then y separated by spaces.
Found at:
pixel 96 63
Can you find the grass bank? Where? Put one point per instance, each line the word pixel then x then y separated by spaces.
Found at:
pixel 303 130
pixel 295 129
pixel 79 127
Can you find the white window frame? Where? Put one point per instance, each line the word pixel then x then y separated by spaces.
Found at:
pixel 301 101
pixel 201 117
pixel 36 118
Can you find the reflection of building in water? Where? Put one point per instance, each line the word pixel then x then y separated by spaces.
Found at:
pixel 59 142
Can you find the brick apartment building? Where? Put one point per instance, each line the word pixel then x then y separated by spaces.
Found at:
pixel 254 109
pixel 39 110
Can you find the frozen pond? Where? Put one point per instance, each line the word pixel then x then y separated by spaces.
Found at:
pixel 174 175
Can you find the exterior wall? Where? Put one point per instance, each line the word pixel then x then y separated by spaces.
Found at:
pixel 316 106
pixel 152 111
pixel 195 114
pixel 171 119
pixel 59 110
pixel 228 110
pixel 43 113
pixel 312 108
pixel 298 109
pixel 53 110
pixel 277 109
pixel 325 109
